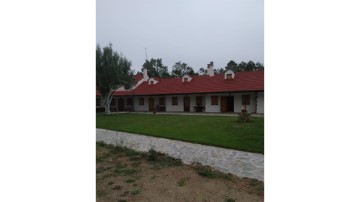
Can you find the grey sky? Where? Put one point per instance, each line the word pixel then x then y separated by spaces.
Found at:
pixel 192 31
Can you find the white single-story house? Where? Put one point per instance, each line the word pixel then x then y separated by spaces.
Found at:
pixel 228 92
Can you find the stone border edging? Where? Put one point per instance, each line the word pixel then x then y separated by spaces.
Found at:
pixel 239 163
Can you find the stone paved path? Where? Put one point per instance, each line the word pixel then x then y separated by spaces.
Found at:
pixel 242 164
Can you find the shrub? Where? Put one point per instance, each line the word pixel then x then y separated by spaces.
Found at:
pixel 152 156
pixel 243 116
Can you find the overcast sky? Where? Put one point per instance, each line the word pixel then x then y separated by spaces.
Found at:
pixel 192 31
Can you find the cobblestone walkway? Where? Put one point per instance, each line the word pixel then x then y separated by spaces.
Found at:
pixel 242 164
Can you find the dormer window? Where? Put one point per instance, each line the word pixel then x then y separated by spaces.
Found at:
pixel 229 74
pixel 186 78
pixel 152 81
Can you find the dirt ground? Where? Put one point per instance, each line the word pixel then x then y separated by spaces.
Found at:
pixel 126 175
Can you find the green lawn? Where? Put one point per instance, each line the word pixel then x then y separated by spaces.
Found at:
pixel 209 130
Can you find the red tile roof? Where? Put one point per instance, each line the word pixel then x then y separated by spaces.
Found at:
pixel 122 93
pixel 243 81
pixel 138 77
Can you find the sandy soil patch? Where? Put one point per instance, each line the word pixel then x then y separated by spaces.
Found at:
pixel 126 175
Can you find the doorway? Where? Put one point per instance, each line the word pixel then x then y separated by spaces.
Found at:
pixel 151 104
pixel 186 104
pixel 227 104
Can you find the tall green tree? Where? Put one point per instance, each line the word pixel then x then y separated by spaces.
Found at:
pixel 231 65
pixel 250 66
pixel 112 71
pixel 179 69
pixel 259 66
pixel 219 71
pixel 201 71
pixel 155 68
pixel 241 66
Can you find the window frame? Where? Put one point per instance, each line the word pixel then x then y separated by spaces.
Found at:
pixel 245 99
pixel 174 101
pixel 214 100
pixel 199 98
pixel 141 101
pixel 163 101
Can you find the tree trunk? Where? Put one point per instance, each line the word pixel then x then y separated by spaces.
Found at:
pixel 107 108
pixel 107 100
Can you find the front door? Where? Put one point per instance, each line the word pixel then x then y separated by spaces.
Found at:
pixel 186 104
pixel 227 104
pixel 223 104
pixel 151 104
pixel 230 104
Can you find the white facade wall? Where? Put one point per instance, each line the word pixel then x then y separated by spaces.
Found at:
pixel 212 108
pixel 254 107
pixel 193 101
pixel 260 102
pixel 174 108
pixel 238 102
pixel 141 108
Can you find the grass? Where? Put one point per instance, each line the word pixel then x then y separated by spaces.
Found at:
pixel 208 172
pixel 126 171
pixel 159 160
pixel 182 181
pixel 229 199
pixel 209 130
pixel 135 192
pixel 258 185
pixel 130 180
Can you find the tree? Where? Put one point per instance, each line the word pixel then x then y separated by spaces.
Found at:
pixel 155 68
pixel 180 69
pixel 250 66
pixel 259 66
pixel 231 65
pixel 219 71
pixel 241 66
pixel 201 71
pixel 112 71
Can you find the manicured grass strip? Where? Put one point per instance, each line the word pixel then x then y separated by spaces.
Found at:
pixel 209 130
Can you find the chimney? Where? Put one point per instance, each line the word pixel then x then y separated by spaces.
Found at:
pixel 145 75
pixel 210 69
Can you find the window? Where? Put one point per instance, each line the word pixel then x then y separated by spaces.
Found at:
pixel 246 99
pixel 141 101
pixel 185 79
pixel 161 101
pixel 151 82
pixel 228 76
pixel 98 101
pixel 214 100
pixel 174 100
pixel 198 100
pixel 129 101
